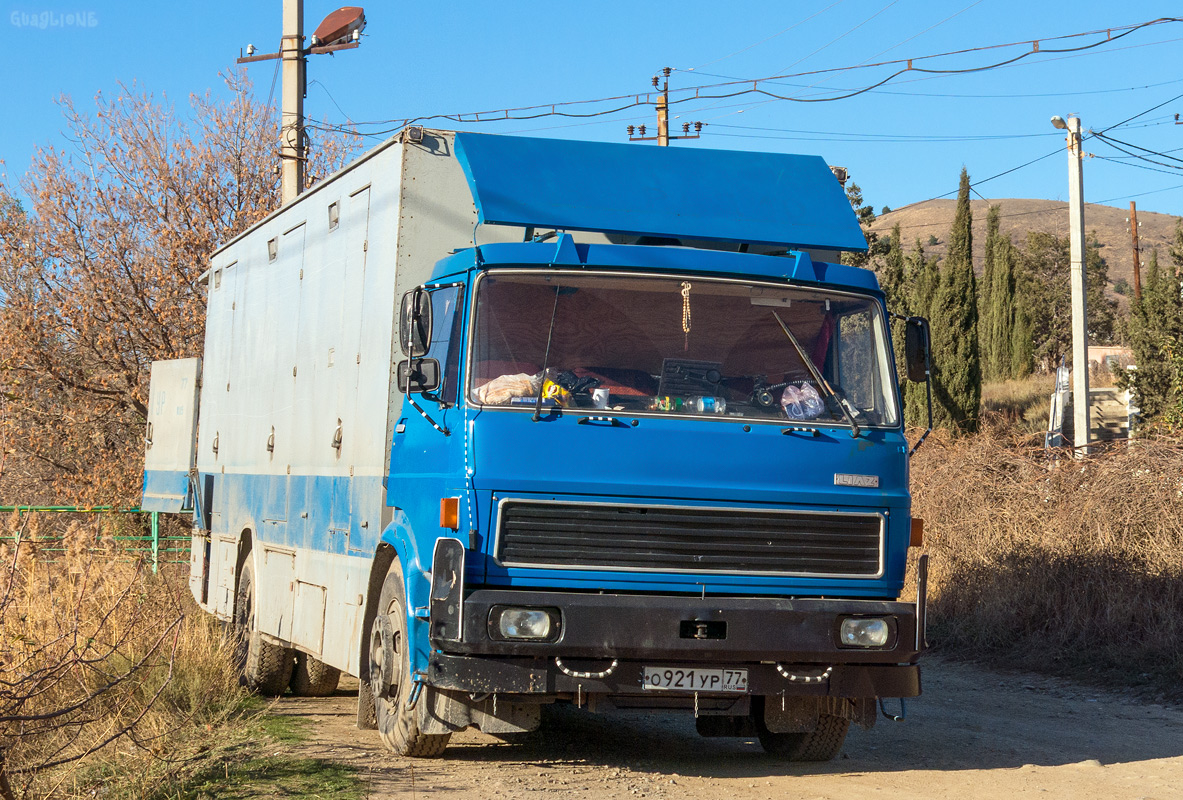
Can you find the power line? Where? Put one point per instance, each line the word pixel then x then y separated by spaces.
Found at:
pixel 1139 166
pixel 985 180
pixel 1035 44
pixel 756 104
pixel 1142 113
pixel 926 30
pixel 1110 139
pixel 1111 143
pixel 767 38
pixel 330 95
pixel 837 39
pixel 1139 194
pixel 841 136
pixel 625 102
pixel 881 52
pixel 1015 95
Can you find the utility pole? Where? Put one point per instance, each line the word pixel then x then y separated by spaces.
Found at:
pixel 291 119
pixel 663 116
pixel 1133 220
pixel 663 109
pixel 340 30
pixel 1080 347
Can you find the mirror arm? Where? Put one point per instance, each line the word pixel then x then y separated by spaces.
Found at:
pixel 923 436
pixel 425 415
pixel 414 405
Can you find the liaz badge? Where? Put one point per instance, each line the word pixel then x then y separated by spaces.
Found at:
pixel 863 481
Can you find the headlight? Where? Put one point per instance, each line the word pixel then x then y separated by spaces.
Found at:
pixel 863 632
pixel 525 623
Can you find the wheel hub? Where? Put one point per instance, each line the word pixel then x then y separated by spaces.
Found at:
pixel 385 665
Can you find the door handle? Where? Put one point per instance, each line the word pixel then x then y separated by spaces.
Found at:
pixel 611 422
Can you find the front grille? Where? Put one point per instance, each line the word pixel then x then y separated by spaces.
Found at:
pixel 675 539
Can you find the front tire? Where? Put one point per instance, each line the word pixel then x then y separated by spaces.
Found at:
pixel 263 666
pixel 823 743
pixel 390 675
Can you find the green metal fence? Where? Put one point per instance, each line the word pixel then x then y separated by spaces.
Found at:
pixel 152 547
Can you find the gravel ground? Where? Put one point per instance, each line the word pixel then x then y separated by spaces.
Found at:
pixel 975 733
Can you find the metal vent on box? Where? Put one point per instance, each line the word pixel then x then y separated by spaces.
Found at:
pixel 680 539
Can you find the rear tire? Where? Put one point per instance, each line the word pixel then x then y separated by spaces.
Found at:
pixel 823 743
pixel 390 661
pixel 312 677
pixel 263 666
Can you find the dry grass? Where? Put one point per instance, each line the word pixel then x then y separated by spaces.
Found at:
pixel 1021 404
pixel 1064 566
pixel 110 678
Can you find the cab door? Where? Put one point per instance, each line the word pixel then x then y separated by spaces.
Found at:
pixel 427 457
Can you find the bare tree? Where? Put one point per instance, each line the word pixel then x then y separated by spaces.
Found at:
pixel 99 276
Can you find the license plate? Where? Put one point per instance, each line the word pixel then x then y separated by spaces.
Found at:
pixel 695 680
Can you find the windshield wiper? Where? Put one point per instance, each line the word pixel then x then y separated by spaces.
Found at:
pixel 817 376
pixel 546 358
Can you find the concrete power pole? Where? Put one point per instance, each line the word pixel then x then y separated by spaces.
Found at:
pixel 663 109
pixel 340 30
pixel 291 136
pixel 1137 258
pixel 1080 346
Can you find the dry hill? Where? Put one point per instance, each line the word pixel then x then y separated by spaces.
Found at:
pixel 934 217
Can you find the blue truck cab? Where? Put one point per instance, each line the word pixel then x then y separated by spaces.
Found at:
pixel 641 452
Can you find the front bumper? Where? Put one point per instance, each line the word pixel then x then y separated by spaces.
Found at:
pixel 770 637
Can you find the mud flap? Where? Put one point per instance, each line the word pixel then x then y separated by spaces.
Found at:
pixel 447 710
pixel 367 715
pixel 801 714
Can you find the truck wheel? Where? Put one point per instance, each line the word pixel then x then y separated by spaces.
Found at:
pixel 390 675
pixel 312 677
pixel 820 744
pixel 264 667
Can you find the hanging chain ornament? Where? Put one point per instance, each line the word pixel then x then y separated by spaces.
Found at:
pixel 686 315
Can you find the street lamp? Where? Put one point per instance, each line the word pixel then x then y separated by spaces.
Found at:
pixel 1080 348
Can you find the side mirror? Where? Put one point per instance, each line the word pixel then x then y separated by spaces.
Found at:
pixel 420 375
pixel 414 329
pixel 917 349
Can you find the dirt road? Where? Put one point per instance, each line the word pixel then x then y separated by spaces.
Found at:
pixel 974 734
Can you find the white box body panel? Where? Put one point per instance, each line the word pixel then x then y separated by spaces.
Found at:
pixel 300 349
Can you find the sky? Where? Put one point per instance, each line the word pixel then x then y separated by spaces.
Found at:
pixel 903 142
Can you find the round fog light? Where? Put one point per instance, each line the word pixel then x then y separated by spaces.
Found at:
pixel 856 632
pixel 524 623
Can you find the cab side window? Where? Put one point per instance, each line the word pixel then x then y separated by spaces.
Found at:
pixel 446 345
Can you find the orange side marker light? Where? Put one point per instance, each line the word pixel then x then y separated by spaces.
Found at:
pixel 450 513
pixel 916 539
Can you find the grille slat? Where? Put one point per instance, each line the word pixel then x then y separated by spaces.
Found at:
pixel 696 540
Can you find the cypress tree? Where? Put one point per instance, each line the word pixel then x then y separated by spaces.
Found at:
pixel 923 279
pixel 990 355
pixel 999 325
pixel 957 387
pixel 892 280
pixel 1156 332
pixel 1011 326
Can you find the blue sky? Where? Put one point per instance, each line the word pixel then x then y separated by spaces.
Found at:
pixel 903 143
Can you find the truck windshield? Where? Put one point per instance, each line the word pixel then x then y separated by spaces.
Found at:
pixel 680 346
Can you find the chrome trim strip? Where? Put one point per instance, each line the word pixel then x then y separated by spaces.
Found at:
pixel 496 554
